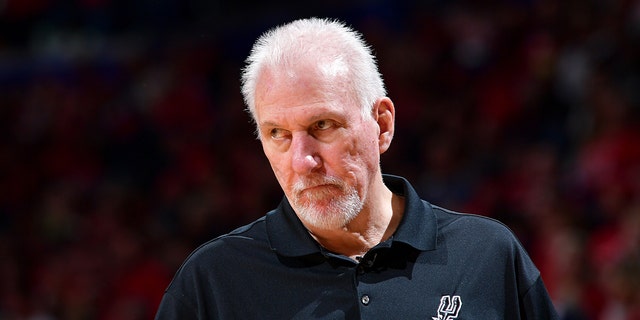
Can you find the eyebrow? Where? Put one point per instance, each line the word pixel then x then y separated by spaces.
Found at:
pixel 317 117
pixel 267 124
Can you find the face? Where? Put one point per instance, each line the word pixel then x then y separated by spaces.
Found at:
pixel 324 153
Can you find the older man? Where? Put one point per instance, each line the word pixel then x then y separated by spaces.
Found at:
pixel 346 242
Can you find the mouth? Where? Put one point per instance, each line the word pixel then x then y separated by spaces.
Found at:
pixel 322 185
pixel 317 189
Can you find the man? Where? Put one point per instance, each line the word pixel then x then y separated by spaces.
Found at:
pixel 346 242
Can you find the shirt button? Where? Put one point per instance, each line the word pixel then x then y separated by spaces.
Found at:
pixel 368 263
pixel 365 299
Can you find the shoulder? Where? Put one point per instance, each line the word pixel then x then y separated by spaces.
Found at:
pixel 478 238
pixel 450 218
pixel 471 224
pixel 212 269
pixel 220 256
pixel 244 240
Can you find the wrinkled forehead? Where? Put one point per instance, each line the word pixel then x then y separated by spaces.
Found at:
pixel 329 76
pixel 323 88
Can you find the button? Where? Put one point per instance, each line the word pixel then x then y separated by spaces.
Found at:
pixel 368 263
pixel 365 299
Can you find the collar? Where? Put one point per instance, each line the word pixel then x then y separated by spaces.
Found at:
pixel 418 228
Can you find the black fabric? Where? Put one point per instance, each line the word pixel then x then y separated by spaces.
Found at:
pixel 438 265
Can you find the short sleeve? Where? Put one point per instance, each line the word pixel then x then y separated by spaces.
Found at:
pixel 536 303
pixel 172 308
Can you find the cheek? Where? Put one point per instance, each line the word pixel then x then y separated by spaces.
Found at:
pixel 367 145
pixel 363 155
pixel 370 158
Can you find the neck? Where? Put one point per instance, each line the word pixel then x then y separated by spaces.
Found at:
pixel 374 224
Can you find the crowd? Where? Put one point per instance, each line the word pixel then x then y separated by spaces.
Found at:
pixel 124 144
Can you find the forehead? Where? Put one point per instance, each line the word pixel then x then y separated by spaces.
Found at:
pixel 304 92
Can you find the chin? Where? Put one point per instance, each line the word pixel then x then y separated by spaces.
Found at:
pixel 332 217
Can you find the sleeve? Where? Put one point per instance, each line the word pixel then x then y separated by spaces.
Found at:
pixel 172 308
pixel 536 303
pixel 534 300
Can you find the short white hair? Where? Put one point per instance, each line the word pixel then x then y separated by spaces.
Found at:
pixel 326 39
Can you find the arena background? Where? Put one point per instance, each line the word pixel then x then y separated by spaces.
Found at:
pixel 124 144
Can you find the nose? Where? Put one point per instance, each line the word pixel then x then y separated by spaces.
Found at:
pixel 304 156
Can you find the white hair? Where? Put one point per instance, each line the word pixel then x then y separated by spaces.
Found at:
pixel 320 39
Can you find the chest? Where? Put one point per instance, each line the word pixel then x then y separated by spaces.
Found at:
pixel 395 285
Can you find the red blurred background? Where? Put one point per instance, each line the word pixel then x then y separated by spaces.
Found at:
pixel 124 144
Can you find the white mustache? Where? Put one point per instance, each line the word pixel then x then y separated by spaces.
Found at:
pixel 307 183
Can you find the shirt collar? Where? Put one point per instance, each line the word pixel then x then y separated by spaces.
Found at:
pixel 287 235
pixel 418 228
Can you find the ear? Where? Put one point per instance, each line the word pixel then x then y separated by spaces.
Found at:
pixel 384 113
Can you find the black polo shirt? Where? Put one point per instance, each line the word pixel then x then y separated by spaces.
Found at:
pixel 438 265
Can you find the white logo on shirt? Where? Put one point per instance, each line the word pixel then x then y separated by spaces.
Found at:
pixel 449 308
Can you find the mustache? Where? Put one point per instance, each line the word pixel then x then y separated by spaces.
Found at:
pixel 305 183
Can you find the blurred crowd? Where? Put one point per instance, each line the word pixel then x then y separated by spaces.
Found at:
pixel 124 144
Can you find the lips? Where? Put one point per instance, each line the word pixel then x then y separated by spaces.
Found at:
pixel 317 189
pixel 311 188
pixel 315 192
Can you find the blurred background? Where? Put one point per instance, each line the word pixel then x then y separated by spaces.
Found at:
pixel 124 144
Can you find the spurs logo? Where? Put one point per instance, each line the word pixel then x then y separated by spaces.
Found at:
pixel 449 308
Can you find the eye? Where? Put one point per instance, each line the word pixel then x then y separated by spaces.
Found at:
pixel 277 134
pixel 323 125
